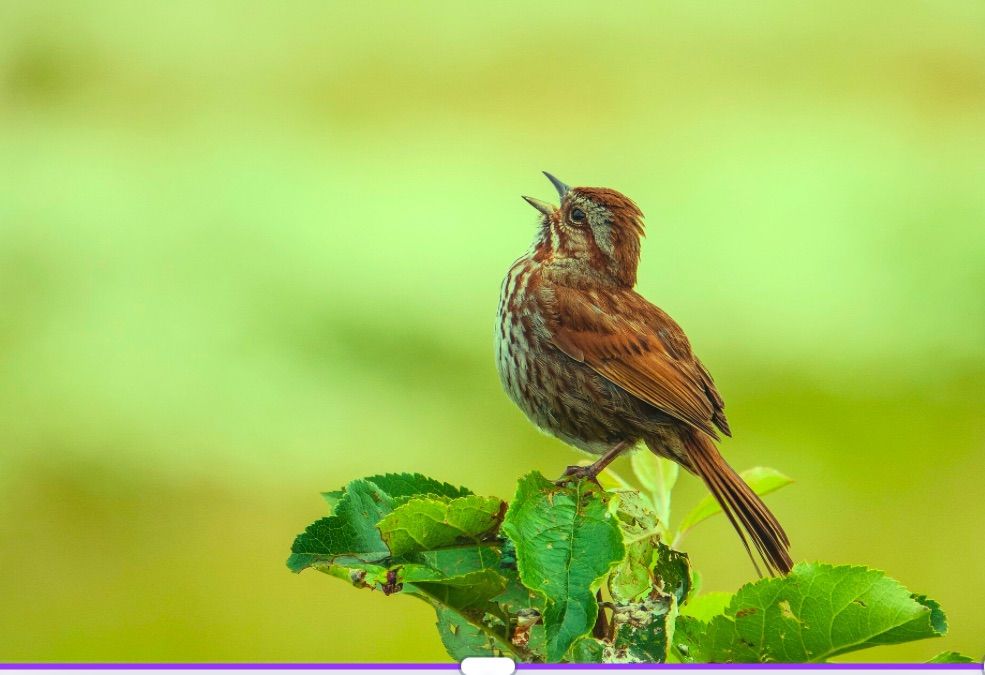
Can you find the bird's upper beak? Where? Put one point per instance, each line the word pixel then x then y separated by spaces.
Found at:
pixel 544 207
pixel 561 188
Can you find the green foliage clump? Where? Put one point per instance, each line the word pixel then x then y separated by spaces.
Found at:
pixel 582 572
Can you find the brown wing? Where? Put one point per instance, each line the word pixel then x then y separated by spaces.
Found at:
pixel 639 347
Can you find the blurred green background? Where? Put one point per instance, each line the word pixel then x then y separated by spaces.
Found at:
pixel 250 251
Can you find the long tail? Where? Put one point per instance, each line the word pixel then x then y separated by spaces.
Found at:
pixel 743 507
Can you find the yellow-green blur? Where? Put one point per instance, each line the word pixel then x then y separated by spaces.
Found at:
pixel 251 251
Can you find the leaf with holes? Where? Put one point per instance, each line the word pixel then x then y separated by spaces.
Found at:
pixel 427 523
pixel 817 612
pixel 463 638
pixel 566 541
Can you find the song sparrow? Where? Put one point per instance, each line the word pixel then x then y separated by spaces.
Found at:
pixel 592 362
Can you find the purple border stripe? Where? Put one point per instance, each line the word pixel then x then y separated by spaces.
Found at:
pixel 751 666
pixel 520 666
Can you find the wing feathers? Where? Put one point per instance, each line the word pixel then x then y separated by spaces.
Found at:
pixel 638 347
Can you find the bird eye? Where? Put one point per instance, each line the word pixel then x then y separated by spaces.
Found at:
pixel 577 215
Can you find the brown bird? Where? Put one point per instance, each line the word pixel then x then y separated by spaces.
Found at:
pixel 591 361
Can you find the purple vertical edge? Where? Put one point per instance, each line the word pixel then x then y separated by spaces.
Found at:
pixel 519 666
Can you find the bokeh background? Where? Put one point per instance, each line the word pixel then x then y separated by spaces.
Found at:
pixel 250 251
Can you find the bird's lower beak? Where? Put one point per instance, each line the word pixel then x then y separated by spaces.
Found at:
pixel 543 207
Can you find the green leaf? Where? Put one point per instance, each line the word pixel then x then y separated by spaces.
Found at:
pixel 427 523
pixel 644 626
pixel 951 657
pixel 463 638
pixel 706 605
pixel 636 516
pixel 452 562
pixel 696 582
pixel 648 564
pixel 588 650
pixel 643 630
pixel 689 640
pixel 399 485
pixel 763 480
pixel 917 629
pixel 566 541
pixel 350 535
pixel 525 607
pixel 646 588
pixel 672 573
pixel 817 612
pixel 466 579
pixel 650 567
pixel 332 498
pixel 470 591
pixel 360 575
pixel 631 579
pixel 517 597
pixel 658 476
pixel 531 595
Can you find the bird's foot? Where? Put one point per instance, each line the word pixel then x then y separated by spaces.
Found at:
pixel 576 472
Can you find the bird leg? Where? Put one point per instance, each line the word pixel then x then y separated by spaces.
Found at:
pixel 591 471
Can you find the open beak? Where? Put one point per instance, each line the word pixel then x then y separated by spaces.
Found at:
pixel 543 207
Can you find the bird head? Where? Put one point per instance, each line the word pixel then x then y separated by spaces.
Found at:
pixel 594 232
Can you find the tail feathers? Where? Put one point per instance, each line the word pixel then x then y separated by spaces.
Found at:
pixel 743 507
